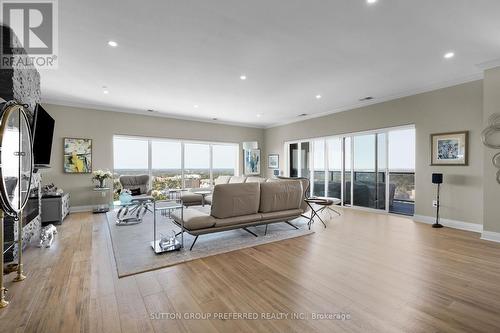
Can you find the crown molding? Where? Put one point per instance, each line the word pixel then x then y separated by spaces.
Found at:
pixel 96 107
pixel 378 100
pixel 489 64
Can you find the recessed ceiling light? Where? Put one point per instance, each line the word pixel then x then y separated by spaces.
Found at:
pixel 302 115
pixel 449 55
pixel 196 106
pixel 371 2
pixel 105 90
pixel 367 98
pixel 318 96
pixel 112 43
pixel 151 110
pixel 243 77
pixel 259 115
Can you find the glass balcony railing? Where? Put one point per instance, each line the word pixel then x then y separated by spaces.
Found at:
pixel 369 189
pixel 403 199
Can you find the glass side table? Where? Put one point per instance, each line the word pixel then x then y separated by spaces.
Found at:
pixel 101 207
pixel 203 194
pixel 167 244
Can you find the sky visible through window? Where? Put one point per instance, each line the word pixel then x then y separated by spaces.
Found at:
pixel 132 153
pixel 401 151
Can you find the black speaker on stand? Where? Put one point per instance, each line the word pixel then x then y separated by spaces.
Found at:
pixel 437 178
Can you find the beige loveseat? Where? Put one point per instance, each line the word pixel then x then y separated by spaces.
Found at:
pixel 247 204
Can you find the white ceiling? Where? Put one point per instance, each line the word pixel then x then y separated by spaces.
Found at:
pixel 173 54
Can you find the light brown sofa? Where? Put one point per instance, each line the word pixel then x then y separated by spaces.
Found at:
pixel 247 204
pixel 189 198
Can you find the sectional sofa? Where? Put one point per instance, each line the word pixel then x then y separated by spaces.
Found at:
pixel 241 202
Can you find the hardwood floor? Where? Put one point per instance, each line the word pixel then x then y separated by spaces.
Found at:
pixel 387 273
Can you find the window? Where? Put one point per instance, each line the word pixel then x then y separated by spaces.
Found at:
pixel 402 171
pixel 319 168
pixel 224 160
pixel 334 176
pixel 174 164
pixel 196 165
pixel 166 166
pixel 130 158
pixel 374 169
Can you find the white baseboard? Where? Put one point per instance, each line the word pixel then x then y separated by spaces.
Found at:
pixel 79 209
pixel 491 236
pixel 474 227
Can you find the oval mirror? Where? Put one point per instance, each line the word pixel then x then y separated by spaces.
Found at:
pixel 16 158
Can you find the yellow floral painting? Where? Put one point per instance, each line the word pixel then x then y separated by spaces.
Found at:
pixel 77 155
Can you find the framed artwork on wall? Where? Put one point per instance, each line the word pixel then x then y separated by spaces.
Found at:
pixel 77 155
pixel 450 148
pixel 273 161
pixel 252 162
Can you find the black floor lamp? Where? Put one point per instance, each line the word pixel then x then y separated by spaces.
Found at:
pixel 437 178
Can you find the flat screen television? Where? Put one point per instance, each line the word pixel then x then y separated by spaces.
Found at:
pixel 43 131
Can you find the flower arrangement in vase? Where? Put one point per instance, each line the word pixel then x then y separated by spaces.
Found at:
pixel 101 176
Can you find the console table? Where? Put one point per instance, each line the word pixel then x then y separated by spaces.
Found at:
pixel 55 208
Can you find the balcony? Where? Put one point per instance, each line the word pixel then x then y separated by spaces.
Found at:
pixel 369 189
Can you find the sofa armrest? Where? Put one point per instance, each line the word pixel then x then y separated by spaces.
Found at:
pixel 194 219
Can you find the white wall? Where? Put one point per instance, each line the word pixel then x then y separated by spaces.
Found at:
pixel 450 109
pixel 100 126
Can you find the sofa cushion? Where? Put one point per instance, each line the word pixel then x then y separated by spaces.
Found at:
pixel 237 180
pixel 222 180
pixel 235 220
pixel 194 219
pixel 190 197
pixel 282 214
pixel 230 200
pixel 208 199
pixel 281 195
pixel 255 180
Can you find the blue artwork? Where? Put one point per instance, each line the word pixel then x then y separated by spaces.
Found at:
pixel 252 162
pixel 448 149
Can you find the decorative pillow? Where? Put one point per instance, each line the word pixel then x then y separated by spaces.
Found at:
pixel 135 191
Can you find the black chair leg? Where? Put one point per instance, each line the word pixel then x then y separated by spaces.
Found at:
pixel 195 239
pixel 249 231
pixel 265 232
pixel 292 225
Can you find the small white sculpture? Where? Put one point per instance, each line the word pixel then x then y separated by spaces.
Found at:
pixel 47 235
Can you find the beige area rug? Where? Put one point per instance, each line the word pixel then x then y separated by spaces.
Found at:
pixel 134 254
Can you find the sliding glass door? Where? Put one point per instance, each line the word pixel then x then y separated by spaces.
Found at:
pixel 318 168
pixel 298 159
pixel 372 170
pixel 402 171
pixel 334 167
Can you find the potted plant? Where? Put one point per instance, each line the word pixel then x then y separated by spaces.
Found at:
pixel 101 176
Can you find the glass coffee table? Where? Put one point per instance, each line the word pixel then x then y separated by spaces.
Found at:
pixel 132 212
pixel 165 243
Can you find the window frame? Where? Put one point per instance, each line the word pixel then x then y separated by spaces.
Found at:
pixel 343 138
pixel 182 142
